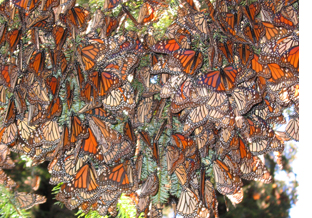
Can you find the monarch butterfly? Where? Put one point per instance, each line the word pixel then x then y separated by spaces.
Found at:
pixel 121 175
pixel 86 178
pixel 181 173
pixel 272 32
pixel 187 145
pixel 259 68
pixel 13 38
pixel 290 58
pixel 77 17
pixel 8 134
pixel 110 25
pixel 278 48
pixel 109 197
pixel 9 75
pixel 226 49
pixel 60 35
pixel 291 13
pixel 144 111
pixel 210 197
pixel 102 114
pixel 237 197
pixel 138 167
pixel 29 134
pixel 199 23
pixel 65 139
pixel 188 203
pixel 110 4
pixel 107 133
pixel 146 14
pixel 232 21
pixel 5 180
pixel 88 92
pixel 42 21
pixel 129 132
pixel 3 100
pixel 10 114
pixel 243 99
pixel 142 204
pixel 204 139
pixel 191 4
pixel 5 161
pixel 226 182
pixel 150 186
pixel 189 61
pixel 122 97
pixel 55 108
pixel 37 63
pixel 284 21
pixel 198 116
pixel 68 165
pixel 3 34
pixel 165 46
pixel 89 55
pixel 280 75
pixel 292 128
pixel 53 84
pixel 91 146
pixel 123 66
pixel 78 130
pixel 251 166
pixel 29 5
pixel 154 147
pixel 174 158
pixel 50 132
pixel 139 49
pixel 245 53
pixel 252 10
pixel 223 80
pixel 254 33
pixel 267 110
pixel 25 201
pixel 104 82
pixel 50 4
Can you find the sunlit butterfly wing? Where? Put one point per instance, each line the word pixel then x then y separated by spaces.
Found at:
pixel 221 80
pixel 189 61
pixel 86 179
pixel 292 128
pixel 226 183
pixel 188 203
pixel 121 175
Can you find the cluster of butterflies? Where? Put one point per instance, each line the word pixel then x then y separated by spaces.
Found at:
pixel 216 86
